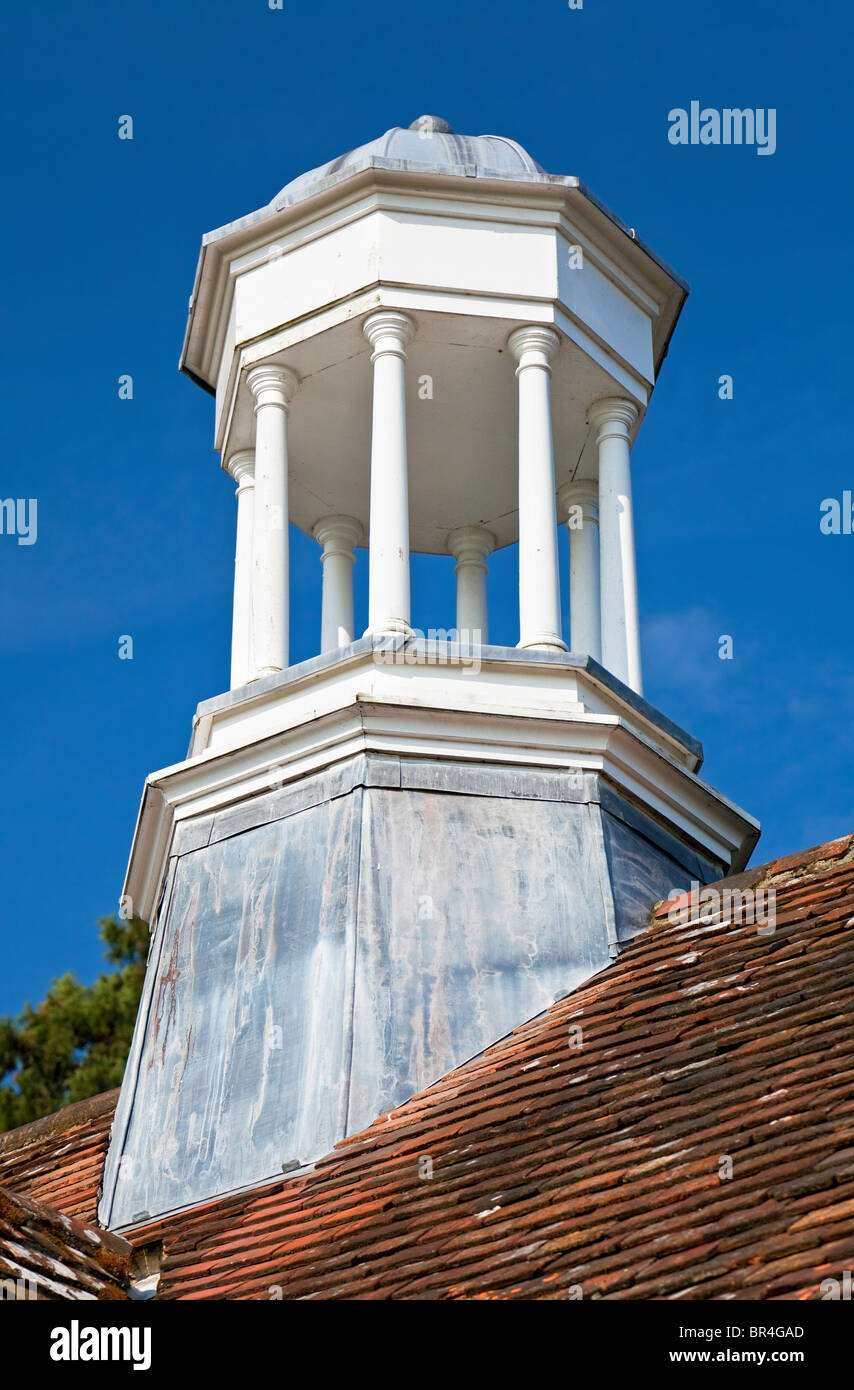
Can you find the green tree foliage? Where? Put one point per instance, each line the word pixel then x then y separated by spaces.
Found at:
pixel 75 1043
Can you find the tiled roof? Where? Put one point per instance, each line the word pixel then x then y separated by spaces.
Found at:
pixel 60 1159
pixel 49 1256
pixel 694 1140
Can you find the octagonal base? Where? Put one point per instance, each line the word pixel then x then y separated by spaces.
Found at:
pixel 351 905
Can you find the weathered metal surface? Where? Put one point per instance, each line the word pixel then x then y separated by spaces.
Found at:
pixel 699 865
pixel 328 949
pixel 474 914
pixel 640 874
pixel 424 143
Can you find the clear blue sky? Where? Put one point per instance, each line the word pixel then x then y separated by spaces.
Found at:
pixel 136 521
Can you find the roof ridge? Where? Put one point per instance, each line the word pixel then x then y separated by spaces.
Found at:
pixel 72 1116
pixel 824 858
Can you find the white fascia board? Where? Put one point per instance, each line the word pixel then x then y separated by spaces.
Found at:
pixel 514 200
pixel 712 820
pixel 517 687
pixel 632 280
pixel 673 289
pixel 586 742
pixel 149 853
pixel 594 743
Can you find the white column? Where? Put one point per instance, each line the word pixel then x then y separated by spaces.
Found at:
pixel 470 546
pixel 578 501
pixel 337 535
pixel 612 421
pixel 388 605
pixel 539 578
pixel 273 389
pixel 241 468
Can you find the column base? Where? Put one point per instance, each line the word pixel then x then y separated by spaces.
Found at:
pixel 543 641
pixel 390 628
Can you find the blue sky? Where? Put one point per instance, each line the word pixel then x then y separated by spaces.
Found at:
pixel 230 100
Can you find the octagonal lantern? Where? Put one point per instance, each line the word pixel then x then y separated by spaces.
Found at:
pixel 428 344
pixel 375 863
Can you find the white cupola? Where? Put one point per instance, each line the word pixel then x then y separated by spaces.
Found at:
pixel 375 863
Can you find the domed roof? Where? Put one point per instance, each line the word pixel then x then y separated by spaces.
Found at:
pixel 429 145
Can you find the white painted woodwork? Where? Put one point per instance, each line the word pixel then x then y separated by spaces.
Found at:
pixel 578 502
pixel 612 421
pixel 241 467
pixel 470 545
pixel 388 578
pixel 273 388
pixel 470 256
pixel 539 577
pixel 528 711
pixel 337 535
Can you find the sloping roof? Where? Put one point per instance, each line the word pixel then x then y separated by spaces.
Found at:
pixel 699 1143
pixel 50 1256
pixel 60 1159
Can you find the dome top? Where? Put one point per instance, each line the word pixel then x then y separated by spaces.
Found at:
pixel 429 145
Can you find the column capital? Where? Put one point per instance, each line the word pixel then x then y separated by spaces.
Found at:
pixel 272 385
pixel 388 331
pixel 241 467
pixel 580 492
pixel 533 346
pixel 337 535
pixel 470 545
pixel 612 416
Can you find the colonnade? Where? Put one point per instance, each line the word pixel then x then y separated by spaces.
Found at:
pixel 599 517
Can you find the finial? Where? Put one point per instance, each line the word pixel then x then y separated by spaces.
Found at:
pixel 432 125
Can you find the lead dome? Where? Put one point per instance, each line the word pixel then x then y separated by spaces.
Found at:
pixel 428 144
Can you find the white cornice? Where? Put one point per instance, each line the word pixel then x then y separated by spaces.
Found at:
pixel 214 780
pixel 560 203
